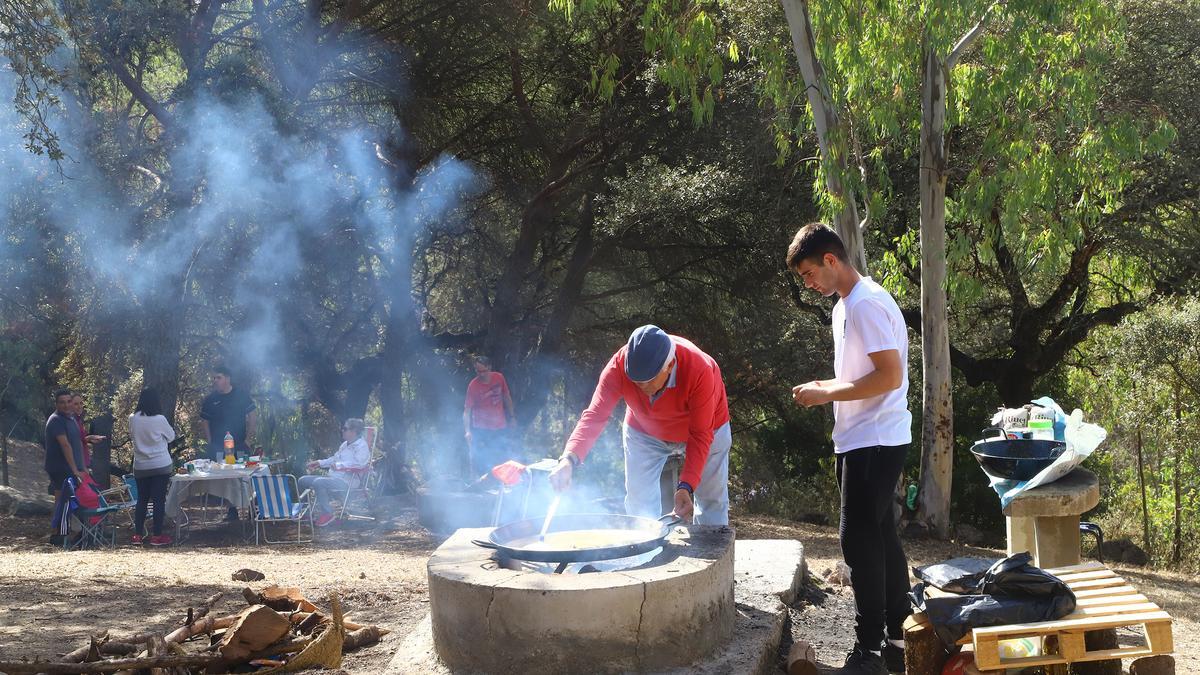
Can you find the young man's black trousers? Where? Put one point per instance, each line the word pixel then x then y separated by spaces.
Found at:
pixel 870 543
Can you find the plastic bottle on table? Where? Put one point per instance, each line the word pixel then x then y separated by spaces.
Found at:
pixel 230 458
pixel 1042 429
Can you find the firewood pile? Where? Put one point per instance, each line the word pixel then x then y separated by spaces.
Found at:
pixel 279 631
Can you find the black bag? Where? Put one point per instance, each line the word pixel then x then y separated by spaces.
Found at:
pixel 958 575
pixel 1011 591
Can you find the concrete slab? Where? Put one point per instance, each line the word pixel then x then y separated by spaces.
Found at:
pixel 768 573
pixel 767 576
pixel 1075 493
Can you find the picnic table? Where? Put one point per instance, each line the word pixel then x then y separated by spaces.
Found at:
pixel 230 482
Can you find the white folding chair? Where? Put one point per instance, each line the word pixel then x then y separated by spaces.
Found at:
pixel 365 482
pixel 273 503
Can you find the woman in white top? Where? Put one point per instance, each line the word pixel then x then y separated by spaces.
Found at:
pixel 152 464
pixel 352 455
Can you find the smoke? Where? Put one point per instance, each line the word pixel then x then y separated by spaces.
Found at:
pixel 229 223
pixel 241 216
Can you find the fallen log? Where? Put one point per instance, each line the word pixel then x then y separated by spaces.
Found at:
pixel 102 646
pixel 301 617
pixel 103 649
pixel 256 627
pixel 51 668
pixel 279 599
pixel 203 610
pixel 362 637
pixel 93 649
pixel 156 646
pixel 325 651
pixel 206 625
pixel 314 621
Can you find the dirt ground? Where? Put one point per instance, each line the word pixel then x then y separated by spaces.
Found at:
pixel 50 601
pixel 824 615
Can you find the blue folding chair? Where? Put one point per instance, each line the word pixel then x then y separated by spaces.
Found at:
pixel 273 503
pixel 96 534
pixel 123 497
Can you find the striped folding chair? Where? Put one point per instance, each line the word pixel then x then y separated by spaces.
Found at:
pixel 273 503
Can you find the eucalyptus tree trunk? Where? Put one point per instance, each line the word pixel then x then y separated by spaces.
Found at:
pixel 937 427
pixel 831 136
pixel 1177 547
pixel 1147 542
pixel 937 403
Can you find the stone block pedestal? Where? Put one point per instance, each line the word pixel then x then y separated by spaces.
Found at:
pixel 1045 520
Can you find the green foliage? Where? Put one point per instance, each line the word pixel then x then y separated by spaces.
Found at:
pixel 1069 125
pixel 1142 380
pixel 29 36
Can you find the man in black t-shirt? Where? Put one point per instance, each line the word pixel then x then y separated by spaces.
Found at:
pixel 227 410
pixel 63 443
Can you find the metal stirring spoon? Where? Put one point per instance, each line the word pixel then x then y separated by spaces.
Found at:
pixel 549 517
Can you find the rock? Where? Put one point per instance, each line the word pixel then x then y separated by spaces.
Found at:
pixel 802 659
pixel 1163 664
pixel 915 530
pixel 248 575
pixel 839 575
pixel 815 519
pixel 1134 555
pixel 1125 551
pixel 969 534
pixel 14 502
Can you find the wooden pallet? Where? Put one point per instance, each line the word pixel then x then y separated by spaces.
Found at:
pixel 1104 600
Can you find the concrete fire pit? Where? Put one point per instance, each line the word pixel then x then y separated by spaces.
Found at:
pixel 665 613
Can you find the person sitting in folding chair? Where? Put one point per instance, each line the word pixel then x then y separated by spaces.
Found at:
pixel 344 466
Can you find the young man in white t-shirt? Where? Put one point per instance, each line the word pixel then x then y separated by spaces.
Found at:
pixel 871 433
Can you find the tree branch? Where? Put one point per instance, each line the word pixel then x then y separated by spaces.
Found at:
pixel 965 42
pixel 1072 280
pixel 135 88
pixel 1009 273
pixel 797 297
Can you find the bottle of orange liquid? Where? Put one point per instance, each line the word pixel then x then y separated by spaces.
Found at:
pixel 229 456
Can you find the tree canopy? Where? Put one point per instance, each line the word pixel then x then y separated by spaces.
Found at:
pixel 344 200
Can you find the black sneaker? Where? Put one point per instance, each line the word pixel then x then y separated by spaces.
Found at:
pixel 862 662
pixel 893 657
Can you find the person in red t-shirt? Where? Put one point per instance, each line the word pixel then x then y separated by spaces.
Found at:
pixel 486 416
pixel 78 411
pixel 674 403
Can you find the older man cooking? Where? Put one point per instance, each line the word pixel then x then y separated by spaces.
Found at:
pixel 674 402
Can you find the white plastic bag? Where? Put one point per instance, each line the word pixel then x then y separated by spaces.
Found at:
pixel 1081 437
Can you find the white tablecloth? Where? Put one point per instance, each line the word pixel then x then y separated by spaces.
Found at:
pixel 232 485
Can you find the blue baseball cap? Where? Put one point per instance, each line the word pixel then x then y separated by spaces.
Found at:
pixel 649 349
